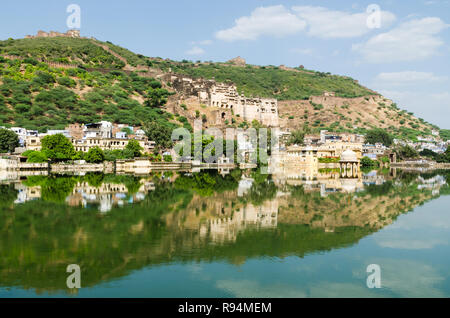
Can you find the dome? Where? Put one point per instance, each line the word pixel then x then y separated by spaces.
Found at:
pixel 349 156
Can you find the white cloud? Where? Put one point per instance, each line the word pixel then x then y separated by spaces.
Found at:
pixel 274 21
pixel 325 23
pixel 408 78
pixel 279 21
pixel 195 51
pixel 410 41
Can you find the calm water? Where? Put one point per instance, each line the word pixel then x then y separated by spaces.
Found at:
pixel 238 235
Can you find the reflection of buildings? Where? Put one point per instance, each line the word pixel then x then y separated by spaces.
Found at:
pixel 434 184
pixel 14 175
pixel 105 196
pixel 245 185
pixel 26 193
pixel 325 182
pixel 373 178
pixel 223 229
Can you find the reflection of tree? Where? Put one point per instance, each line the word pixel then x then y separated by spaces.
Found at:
pixel 206 183
pixel 53 188
pixel 132 183
pixel 7 194
pixel 165 192
pixel 262 188
pixel 49 236
pixel 40 238
pixel 94 179
pixel 297 192
pixel 378 190
pixel 56 188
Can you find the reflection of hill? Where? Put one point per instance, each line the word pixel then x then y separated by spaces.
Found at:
pixel 376 207
pixel 39 239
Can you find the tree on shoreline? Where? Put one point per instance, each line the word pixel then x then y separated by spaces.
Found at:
pixel 134 147
pixel 95 155
pixel 160 134
pixel 58 147
pixel 8 141
pixel 379 135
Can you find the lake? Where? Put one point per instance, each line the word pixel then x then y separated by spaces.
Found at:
pixel 243 234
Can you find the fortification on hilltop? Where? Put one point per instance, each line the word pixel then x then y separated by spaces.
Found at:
pixel 53 34
pixel 238 61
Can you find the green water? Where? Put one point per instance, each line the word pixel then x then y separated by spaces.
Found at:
pixel 238 235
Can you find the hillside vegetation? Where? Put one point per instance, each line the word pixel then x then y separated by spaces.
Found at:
pixel 35 95
pixel 272 81
pixel 62 50
pixel 352 115
pixel 104 87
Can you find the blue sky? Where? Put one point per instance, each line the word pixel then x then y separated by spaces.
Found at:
pixel 406 58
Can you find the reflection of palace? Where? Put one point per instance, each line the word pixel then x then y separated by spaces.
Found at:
pixel 223 229
pixel 312 179
pixel 249 218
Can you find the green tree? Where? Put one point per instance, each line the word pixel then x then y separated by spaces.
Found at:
pixel 156 95
pixel 160 134
pixel 8 140
pixel 379 135
pixel 297 138
pixel 367 162
pixel 134 147
pixel 406 152
pixel 95 155
pixel 79 155
pixel 445 157
pixel 127 130
pixel 37 157
pixel 58 147
pixel 429 153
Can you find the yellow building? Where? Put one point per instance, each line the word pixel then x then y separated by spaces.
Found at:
pixel 336 148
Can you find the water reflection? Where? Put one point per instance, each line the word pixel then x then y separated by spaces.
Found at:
pixel 114 224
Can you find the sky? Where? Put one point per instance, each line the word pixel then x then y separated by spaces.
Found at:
pixel 399 48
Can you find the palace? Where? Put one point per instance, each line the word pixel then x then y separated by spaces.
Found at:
pixel 226 98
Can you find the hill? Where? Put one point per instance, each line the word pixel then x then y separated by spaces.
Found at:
pixel 36 95
pixel 50 82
